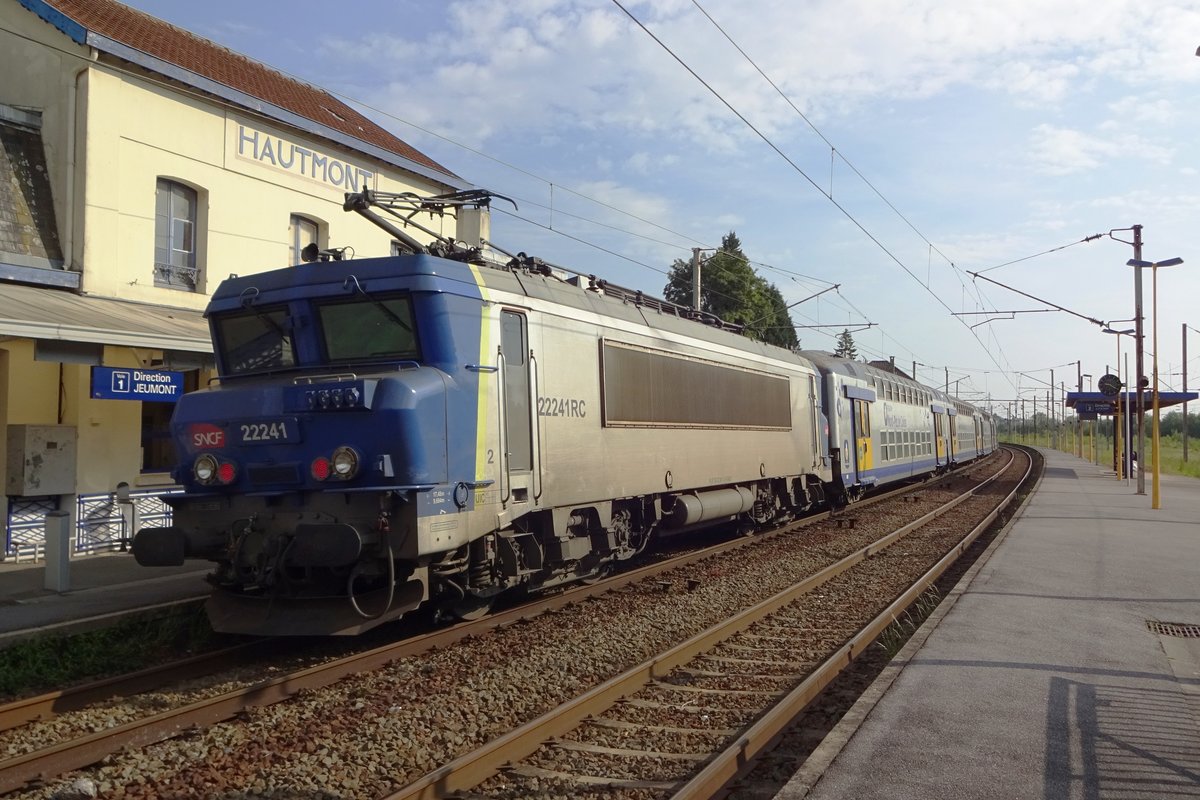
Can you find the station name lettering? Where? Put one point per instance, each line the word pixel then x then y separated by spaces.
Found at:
pixel 276 152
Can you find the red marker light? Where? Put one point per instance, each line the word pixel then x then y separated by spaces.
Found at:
pixel 226 472
pixel 320 468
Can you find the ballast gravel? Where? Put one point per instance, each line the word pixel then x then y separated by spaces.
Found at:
pixel 373 733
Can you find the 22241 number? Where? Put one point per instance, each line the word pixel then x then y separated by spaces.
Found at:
pixel 278 431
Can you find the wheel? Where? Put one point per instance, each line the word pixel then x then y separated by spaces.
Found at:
pixel 472 608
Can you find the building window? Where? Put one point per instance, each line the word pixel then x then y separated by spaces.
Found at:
pixel 175 236
pixel 302 232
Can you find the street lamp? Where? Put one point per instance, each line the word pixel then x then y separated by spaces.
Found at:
pixel 1083 450
pixel 1153 265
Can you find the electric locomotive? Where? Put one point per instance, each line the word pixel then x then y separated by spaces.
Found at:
pixel 434 430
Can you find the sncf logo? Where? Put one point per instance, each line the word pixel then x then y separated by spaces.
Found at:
pixel 204 435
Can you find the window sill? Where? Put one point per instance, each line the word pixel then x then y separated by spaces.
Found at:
pixel 154 479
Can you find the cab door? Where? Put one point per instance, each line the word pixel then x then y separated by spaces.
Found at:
pixel 519 451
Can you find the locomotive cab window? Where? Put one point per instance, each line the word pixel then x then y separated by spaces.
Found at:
pixel 369 329
pixel 254 340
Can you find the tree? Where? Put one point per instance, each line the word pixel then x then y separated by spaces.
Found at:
pixel 845 345
pixel 732 290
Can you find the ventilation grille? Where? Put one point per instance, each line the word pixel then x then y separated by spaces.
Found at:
pixel 1180 629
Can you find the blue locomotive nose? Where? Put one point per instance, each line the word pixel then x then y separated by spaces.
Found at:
pixel 381 432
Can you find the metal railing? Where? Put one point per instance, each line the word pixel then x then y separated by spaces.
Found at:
pixel 102 522
pixel 173 276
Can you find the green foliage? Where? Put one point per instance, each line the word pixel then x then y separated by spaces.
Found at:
pixel 1172 425
pixel 731 289
pixel 48 662
pixel 1099 449
pixel 845 345
pixel 903 627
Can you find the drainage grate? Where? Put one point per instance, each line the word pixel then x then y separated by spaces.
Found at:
pixel 1174 629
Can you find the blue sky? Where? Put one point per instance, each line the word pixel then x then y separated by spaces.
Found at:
pixel 945 138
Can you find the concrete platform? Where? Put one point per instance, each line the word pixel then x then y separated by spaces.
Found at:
pixel 100 587
pixel 1043 679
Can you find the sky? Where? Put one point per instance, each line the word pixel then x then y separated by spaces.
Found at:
pixel 891 148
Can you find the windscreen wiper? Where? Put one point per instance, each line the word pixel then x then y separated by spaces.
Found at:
pixel 247 301
pixel 378 303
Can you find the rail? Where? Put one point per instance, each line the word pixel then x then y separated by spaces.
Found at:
pixel 77 753
pixel 506 752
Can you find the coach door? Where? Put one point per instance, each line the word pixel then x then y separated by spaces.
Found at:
pixel 952 435
pixel 861 420
pixel 516 408
pixel 939 436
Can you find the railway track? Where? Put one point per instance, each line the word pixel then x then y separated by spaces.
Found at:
pixel 68 755
pixel 690 720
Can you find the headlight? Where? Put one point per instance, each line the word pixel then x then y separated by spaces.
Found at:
pixel 345 463
pixel 205 468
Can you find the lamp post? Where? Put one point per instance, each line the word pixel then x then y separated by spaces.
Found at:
pixel 1079 422
pixel 1140 372
pixel 1153 265
pixel 1117 430
pixel 1083 449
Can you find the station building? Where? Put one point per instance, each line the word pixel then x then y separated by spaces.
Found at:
pixel 139 165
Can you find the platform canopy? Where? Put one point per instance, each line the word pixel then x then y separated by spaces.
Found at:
pixel 1106 405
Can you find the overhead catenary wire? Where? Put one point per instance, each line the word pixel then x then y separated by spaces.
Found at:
pixel 1091 238
pixel 187 91
pixel 766 140
pixel 508 165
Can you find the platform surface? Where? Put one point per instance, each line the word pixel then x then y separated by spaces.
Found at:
pixel 1044 679
pixel 98 587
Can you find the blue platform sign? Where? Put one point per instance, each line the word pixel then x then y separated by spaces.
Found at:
pixel 132 383
pixel 1095 407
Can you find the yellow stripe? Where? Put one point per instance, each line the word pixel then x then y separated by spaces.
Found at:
pixel 485 378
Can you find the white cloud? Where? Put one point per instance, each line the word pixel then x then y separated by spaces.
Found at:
pixel 1063 151
pixel 647 163
pixel 499 67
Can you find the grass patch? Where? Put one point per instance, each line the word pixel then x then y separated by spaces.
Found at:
pixel 903 627
pixel 47 663
pixel 1170 461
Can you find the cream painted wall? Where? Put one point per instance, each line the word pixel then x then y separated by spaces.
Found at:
pixel 110 431
pixel 138 132
pixel 109 444
pixel 32 387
